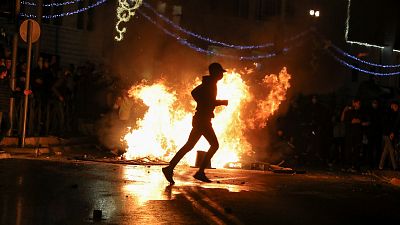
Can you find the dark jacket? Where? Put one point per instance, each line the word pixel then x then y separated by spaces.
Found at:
pixel 354 130
pixel 391 123
pixel 205 96
pixel 5 95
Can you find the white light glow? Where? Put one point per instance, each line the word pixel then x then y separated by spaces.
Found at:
pixel 312 12
pixel 316 13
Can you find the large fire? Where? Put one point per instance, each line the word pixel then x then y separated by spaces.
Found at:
pixel 166 124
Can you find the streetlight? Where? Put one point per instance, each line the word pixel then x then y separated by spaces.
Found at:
pixel 314 13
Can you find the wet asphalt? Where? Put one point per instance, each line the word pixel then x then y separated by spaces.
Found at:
pixel 67 192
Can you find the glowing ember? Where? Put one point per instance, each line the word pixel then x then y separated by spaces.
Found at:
pixel 166 125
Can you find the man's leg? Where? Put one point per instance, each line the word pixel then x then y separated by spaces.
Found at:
pixel 168 171
pixel 209 134
pixel 189 145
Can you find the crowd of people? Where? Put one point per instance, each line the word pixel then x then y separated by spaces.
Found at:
pixel 61 98
pixel 360 135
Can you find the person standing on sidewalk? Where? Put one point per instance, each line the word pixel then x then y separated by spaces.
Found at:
pixel 205 96
pixel 355 122
pixel 5 94
pixel 390 135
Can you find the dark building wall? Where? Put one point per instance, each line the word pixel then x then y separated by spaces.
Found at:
pixel 75 38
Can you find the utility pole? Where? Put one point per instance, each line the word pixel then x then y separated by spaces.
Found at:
pixel 14 64
pixel 27 81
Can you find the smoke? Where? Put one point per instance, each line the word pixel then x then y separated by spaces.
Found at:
pixel 148 53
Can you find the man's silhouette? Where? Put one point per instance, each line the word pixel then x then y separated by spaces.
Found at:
pixel 205 95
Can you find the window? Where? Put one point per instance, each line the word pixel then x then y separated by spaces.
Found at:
pixel 176 13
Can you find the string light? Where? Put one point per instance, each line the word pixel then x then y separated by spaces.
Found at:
pixel 124 13
pixel 209 40
pixel 55 4
pixel 201 50
pixel 202 37
pixel 28 3
pixel 359 69
pixel 328 44
pixel 99 2
pixel 346 33
pixel 360 60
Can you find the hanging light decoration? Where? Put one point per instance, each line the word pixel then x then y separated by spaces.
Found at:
pixel 125 10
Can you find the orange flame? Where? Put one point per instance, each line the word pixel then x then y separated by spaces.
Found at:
pixel 166 125
pixel 277 86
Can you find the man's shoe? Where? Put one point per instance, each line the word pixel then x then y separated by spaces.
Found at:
pixel 202 177
pixel 168 173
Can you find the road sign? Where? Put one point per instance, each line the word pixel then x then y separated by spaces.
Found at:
pixel 23 30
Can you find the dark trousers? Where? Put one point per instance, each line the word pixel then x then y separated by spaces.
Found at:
pixel 354 149
pixel 388 149
pixel 337 153
pixel 201 127
pixel 4 125
pixel 373 149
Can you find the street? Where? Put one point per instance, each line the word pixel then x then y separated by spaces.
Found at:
pixel 66 192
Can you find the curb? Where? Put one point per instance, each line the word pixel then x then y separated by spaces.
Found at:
pixel 5 155
pixel 388 176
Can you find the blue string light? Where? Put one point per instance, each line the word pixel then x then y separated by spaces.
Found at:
pixel 360 60
pixel 28 3
pixel 346 33
pixel 337 49
pixel 359 69
pixel 240 47
pixel 208 52
pixel 55 4
pixel 99 2
pixel 200 36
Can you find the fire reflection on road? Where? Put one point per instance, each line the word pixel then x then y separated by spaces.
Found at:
pixel 145 184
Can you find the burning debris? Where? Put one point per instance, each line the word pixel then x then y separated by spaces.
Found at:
pixel 163 127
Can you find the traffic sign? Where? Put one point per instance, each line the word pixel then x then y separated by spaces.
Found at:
pixel 23 30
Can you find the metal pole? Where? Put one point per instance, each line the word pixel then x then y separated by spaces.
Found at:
pixel 28 73
pixel 14 65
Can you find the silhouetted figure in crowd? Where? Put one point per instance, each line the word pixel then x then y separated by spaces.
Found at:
pixel 124 106
pixel 391 127
pixel 282 150
pixel 354 121
pixel 40 81
pixel 295 128
pixel 5 94
pixel 338 142
pixel 205 95
pixel 315 116
pixel 61 103
pixel 374 134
